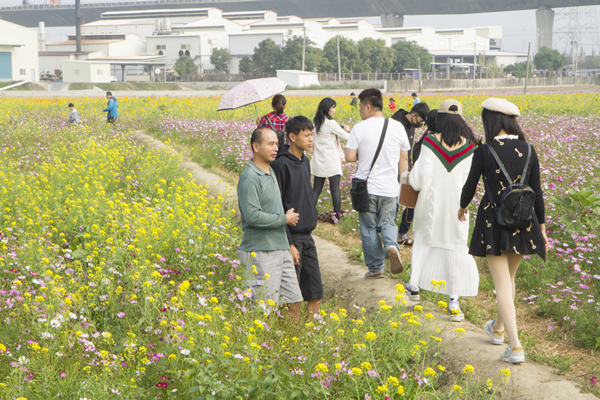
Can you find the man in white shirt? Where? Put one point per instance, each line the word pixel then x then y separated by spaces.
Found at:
pixel 383 185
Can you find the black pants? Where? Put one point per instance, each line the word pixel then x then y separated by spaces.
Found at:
pixel 407 218
pixel 334 188
pixel 111 120
pixel 308 272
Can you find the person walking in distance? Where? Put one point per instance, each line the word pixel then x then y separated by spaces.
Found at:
pixel 410 120
pixel 112 109
pixel 327 158
pixel 505 159
pixel 383 180
pixel 292 169
pixel 265 249
pixel 74 118
pixel 416 99
pixel 276 119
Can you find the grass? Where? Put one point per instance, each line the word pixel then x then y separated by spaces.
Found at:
pixel 120 86
pixel 81 86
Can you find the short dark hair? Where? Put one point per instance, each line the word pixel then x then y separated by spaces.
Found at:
pixel 257 135
pixel 109 93
pixel 71 105
pixel 297 124
pixel 420 110
pixel 392 99
pixel 373 97
pixel 431 121
pixel 414 95
pixel 352 94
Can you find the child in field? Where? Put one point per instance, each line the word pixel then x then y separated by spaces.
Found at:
pixel 74 118
pixel 292 169
pixel 354 102
pixel 392 105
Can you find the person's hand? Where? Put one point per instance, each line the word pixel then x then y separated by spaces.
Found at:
pixel 257 122
pixel 546 242
pixel 462 214
pixel 295 254
pixel 292 217
pixel 346 128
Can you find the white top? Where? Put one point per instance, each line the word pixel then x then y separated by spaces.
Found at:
pixel 326 160
pixel 383 179
pixel 436 221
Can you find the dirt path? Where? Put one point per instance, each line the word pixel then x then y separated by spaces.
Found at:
pixel 344 280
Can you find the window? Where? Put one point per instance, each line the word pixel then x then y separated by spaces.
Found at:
pixel 23 71
pixel 161 47
pixel 160 53
pixel 99 72
pixel 187 53
pixel 76 72
pixel 212 42
pixel 180 53
pixel 186 46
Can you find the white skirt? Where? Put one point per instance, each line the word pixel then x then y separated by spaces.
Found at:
pixel 457 270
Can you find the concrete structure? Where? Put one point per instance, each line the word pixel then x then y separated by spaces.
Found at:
pixel 299 79
pixel 50 61
pixel 85 72
pixel 113 44
pixel 18 53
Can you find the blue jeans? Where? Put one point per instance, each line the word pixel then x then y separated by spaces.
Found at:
pixel 381 218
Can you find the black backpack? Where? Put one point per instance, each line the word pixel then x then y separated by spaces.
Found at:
pixel 517 200
pixel 280 134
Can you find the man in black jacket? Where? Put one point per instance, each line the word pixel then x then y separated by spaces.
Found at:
pixel 410 121
pixel 292 169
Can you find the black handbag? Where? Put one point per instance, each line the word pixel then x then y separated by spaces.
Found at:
pixel 359 192
pixel 517 200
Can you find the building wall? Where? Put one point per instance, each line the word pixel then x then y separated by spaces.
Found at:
pixel 85 72
pixel 23 59
pixel 51 63
pixel 172 46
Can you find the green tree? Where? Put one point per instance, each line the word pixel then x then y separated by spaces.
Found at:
pixel 374 55
pixel 185 67
pixel 246 65
pixel 291 55
pixel 266 56
pixel 519 70
pixel 221 58
pixel 406 55
pixel 548 59
pixel 349 56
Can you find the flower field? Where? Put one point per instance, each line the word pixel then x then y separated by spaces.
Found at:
pixel 119 279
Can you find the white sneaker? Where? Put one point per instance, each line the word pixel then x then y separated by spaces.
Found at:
pixel 455 311
pixel 413 292
pixel 514 355
pixel 496 336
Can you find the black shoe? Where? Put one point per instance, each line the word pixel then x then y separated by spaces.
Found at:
pixel 413 293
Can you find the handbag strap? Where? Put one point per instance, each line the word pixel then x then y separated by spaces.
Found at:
pixel 379 146
pixel 269 121
pixel 523 175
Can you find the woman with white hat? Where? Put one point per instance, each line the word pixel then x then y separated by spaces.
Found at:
pixel 503 246
pixel 440 252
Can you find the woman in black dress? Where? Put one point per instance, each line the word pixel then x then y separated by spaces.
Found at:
pixel 504 248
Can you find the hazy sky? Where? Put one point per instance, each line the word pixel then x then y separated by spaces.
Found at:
pixel 518 27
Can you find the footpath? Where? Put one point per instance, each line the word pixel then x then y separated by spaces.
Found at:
pixel 344 281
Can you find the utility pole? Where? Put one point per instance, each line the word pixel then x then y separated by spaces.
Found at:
pixel 339 60
pixel 576 54
pixel 303 46
pixel 474 61
pixel 527 72
pixel 78 26
pixel 419 68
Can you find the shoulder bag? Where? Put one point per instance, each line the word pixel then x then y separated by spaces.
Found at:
pixel 359 192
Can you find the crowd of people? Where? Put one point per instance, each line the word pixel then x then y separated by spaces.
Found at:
pixel 279 189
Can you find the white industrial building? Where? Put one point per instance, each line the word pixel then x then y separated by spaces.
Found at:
pixel 196 32
pixel 85 71
pixel 18 53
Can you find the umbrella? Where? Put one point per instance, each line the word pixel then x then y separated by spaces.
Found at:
pixel 251 91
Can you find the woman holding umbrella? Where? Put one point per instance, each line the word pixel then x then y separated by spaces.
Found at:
pixel 276 119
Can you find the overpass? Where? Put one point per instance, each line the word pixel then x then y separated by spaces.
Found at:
pixel 392 12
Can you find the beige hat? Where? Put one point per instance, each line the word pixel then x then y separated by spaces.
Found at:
pixel 444 108
pixel 501 105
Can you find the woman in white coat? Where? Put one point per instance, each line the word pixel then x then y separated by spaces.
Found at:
pixel 328 156
pixel 440 252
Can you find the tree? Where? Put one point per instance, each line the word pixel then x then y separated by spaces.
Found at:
pixel 185 66
pixel 548 59
pixel 246 65
pixel 348 55
pixel 291 55
pixel 375 56
pixel 221 58
pixel 407 54
pixel 519 70
pixel 266 56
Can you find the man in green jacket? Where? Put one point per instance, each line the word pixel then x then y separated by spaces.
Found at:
pixel 265 249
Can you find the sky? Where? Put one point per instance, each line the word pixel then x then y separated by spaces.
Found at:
pixel 518 27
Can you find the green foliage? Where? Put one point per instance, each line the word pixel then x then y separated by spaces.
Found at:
pixel 349 56
pixel 185 67
pixel 374 55
pixel 266 56
pixel 221 58
pixel 548 59
pixel 291 55
pixel 519 70
pixel 581 210
pixel 246 65
pixel 406 55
